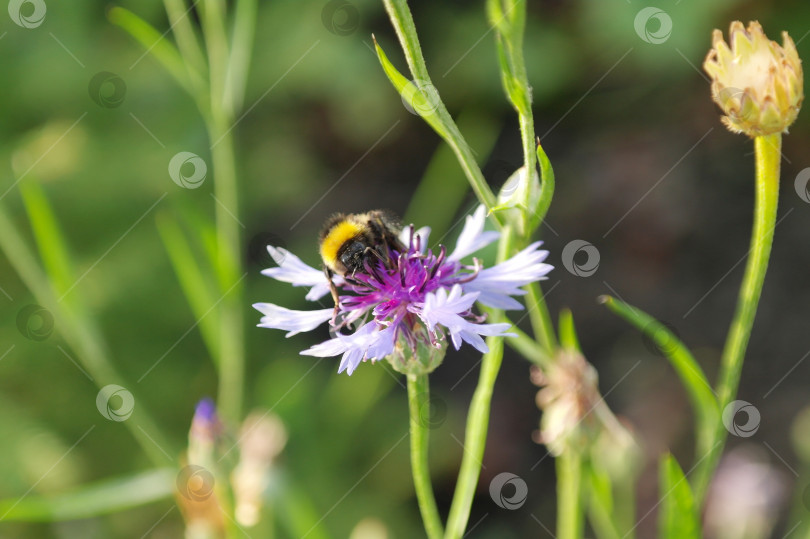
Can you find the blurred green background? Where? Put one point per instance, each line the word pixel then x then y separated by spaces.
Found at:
pixel 644 169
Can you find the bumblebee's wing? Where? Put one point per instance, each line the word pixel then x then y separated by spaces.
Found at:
pixel 388 226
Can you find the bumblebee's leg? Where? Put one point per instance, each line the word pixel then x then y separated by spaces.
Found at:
pixel 335 297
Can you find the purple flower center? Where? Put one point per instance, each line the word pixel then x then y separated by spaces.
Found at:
pixel 390 287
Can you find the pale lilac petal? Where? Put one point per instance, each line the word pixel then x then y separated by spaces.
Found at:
pixel 293 270
pixel 443 308
pixel 497 283
pixel 422 233
pixel 473 237
pixel 355 347
pixel 295 322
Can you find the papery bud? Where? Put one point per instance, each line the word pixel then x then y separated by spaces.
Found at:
pixel 756 82
pixel 261 440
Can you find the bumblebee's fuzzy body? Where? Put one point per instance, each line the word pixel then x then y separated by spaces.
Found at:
pixel 347 241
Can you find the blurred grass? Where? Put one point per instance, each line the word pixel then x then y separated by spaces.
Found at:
pixel 318 101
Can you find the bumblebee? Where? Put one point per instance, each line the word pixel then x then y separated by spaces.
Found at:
pixel 348 241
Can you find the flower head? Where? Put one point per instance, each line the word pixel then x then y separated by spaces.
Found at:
pixel 406 308
pixel 756 82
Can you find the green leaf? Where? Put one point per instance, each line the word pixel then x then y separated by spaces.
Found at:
pixel 50 242
pixel 568 333
pixel 106 496
pixel 704 402
pixel 420 95
pixel 600 505
pixel 678 518
pixel 198 290
pixel 547 184
pixel 163 50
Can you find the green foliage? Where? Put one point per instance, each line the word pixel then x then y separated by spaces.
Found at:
pixel 678 518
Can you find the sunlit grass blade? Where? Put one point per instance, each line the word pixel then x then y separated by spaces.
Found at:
pixel 50 241
pixel 707 410
pixel 198 290
pixel 678 518
pixel 568 333
pixel 244 25
pixel 162 49
pixel 107 496
pixel 600 504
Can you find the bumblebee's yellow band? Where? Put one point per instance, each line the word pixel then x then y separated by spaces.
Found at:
pixel 334 240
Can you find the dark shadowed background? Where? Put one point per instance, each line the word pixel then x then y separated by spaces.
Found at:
pixel 645 173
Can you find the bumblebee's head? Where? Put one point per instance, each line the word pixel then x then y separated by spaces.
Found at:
pixel 343 244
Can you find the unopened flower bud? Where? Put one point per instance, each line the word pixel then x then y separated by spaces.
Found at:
pixel 756 82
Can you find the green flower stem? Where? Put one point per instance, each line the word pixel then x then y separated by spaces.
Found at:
pixel 419 404
pixel 570 509
pixel 540 318
pixel 768 155
pixel 475 438
pixel 232 354
pixel 475 435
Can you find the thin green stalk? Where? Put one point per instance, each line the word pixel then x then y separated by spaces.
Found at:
pixel 475 439
pixel 418 404
pixel 542 326
pixel 402 20
pixel 232 354
pixel 570 509
pixel 475 435
pixel 767 152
